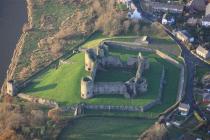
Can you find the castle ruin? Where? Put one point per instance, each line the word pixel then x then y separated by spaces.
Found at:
pixel 99 58
pixel 11 89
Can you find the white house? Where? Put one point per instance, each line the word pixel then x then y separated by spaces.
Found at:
pixel 129 3
pixel 206 21
pixel 184 109
pixel 201 51
pixel 167 20
pixel 135 15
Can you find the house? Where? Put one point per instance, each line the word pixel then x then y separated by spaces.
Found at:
pixel 133 10
pixel 184 109
pixel 207 90
pixel 184 36
pixel 207 9
pixel 145 40
pixel 196 5
pixel 206 98
pixel 208 107
pixel 136 15
pixel 129 3
pixel 193 21
pixel 206 21
pixel 166 19
pixel 167 7
pixel 206 82
pixel 201 51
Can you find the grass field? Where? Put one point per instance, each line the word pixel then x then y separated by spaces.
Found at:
pixel 103 128
pixel 115 75
pixel 166 45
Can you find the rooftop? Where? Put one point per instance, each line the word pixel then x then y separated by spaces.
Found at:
pixel 184 107
pixel 202 49
pixel 167 6
pixel 198 5
pixel 207 9
pixel 206 18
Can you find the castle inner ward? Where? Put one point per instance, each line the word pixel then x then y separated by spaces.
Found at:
pixel 99 59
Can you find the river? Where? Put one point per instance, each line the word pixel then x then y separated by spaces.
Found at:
pixel 13 14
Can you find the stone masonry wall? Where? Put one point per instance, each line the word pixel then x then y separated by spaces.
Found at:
pixel 38 100
pixel 110 88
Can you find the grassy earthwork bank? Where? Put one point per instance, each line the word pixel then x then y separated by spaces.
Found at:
pixel 103 128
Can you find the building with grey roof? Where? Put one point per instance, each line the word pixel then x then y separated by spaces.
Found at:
pixel 184 109
pixel 167 7
pixel 206 21
pixel 207 9
pixel 197 5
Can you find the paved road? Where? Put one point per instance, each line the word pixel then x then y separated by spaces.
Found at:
pixel 190 60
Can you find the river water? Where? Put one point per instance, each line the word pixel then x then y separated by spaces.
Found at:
pixel 13 14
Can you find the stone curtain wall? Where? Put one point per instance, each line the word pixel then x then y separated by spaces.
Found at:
pixel 128 46
pixel 168 58
pixel 42 101
pixel 118 88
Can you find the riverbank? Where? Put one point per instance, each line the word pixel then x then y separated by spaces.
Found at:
pixel 10 11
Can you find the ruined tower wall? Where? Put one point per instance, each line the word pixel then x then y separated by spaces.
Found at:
pixel 117 88
pixel 11 89
pixel 89 61
pixel 87 86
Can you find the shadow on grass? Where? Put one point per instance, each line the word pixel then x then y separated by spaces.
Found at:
pixel 39 89
pixel 162 41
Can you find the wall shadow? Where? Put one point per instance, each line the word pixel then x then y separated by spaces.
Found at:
pixel 43 88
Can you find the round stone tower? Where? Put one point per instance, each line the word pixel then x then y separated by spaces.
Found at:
pixel 90 58
pixel 87 88
pixel 100 51
pixel 11 90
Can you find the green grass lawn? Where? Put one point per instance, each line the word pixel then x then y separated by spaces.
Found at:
pixel 115 75
pixel 166 45
pixel 62 84
pixel 105 128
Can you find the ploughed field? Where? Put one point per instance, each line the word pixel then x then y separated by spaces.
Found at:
pixel 62 84
pixel 105 128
